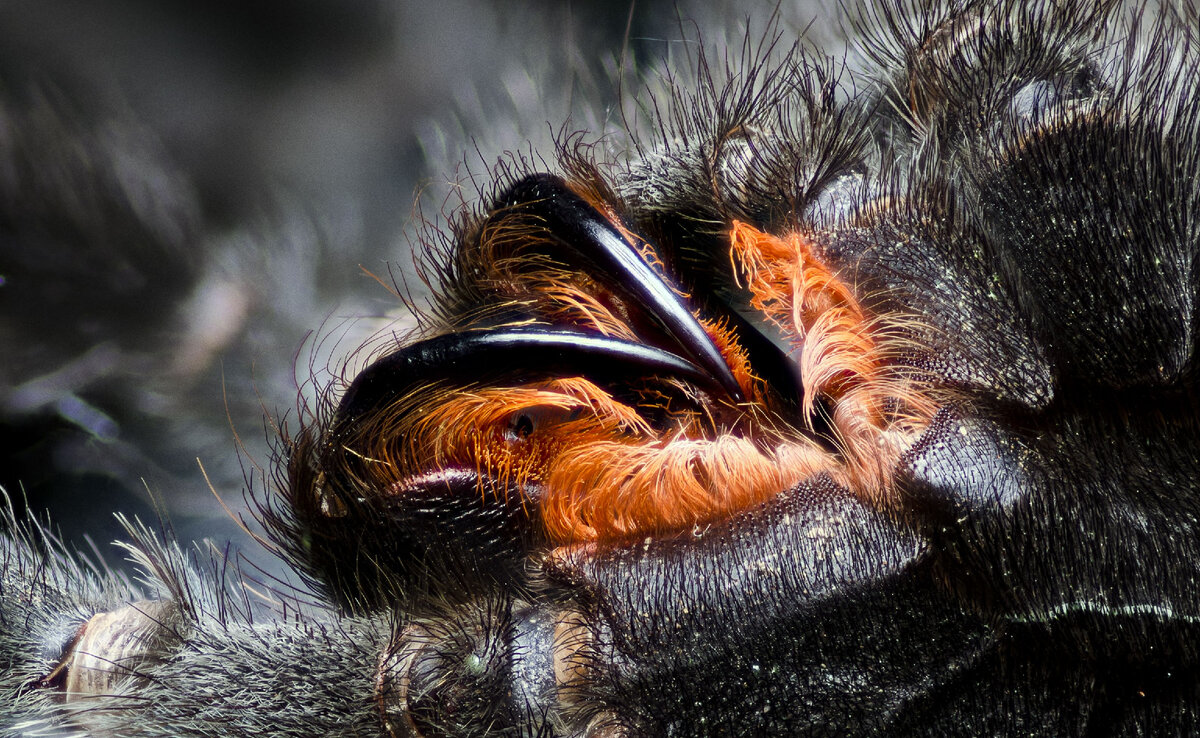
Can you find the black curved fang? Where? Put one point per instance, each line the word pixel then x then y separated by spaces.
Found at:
pixel 771 363
pixel 532 353
pixel 614 262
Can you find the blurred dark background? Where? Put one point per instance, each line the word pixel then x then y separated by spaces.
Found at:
pixel 188 188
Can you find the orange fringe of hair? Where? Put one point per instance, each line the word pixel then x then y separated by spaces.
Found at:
pixel 843 355
pixel 598 471
pixel 612 491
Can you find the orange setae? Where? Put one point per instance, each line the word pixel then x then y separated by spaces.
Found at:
pixel 597 467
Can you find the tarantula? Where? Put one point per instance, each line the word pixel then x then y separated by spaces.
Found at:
pixel 840 408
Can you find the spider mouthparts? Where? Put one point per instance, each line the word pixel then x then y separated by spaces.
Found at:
pixel 525 354
pixel 583 234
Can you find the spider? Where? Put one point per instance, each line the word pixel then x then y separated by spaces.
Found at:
pixel 838 408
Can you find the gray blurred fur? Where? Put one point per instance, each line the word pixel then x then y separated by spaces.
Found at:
pixel 192 200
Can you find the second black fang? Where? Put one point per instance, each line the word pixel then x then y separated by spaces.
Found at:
pixel 612 260
pixel 525 353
